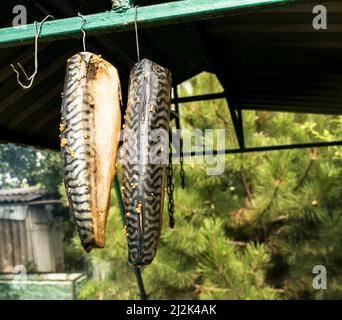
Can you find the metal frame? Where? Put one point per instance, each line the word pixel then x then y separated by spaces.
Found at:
pixel 236 116
pixel 260 149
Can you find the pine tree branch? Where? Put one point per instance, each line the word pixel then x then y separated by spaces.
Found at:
pixel 215 289
pixel 238 243
pixel 304 177
pixel 246 185
pixel 274 196
pixel 200 114
pixel 280 218
pixel 278 290
pixel 313 157
pixel 220 117
pixel 185 208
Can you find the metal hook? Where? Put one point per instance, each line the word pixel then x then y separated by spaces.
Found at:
pixel 37 31
pixel 136 33
pixel 84 34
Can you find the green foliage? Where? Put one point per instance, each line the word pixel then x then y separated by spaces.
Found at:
pixel 254 232
pixel 26 166
pixel 120 283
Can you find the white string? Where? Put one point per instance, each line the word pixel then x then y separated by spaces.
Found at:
pixel 136 33
pixel 37 31
pixel 84 34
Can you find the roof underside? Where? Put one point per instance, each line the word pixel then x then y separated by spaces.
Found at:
pixel 21 194
pixel 267 60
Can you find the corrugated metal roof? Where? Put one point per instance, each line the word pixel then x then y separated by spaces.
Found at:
pixel 21 195
pixel 267 60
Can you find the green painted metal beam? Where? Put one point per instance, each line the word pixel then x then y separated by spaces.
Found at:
pixel 148 16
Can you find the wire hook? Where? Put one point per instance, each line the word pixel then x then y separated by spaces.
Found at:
pixel 83 32
pixel 37 31
pixel 136 32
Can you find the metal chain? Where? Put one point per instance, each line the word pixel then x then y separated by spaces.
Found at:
pixel 170 188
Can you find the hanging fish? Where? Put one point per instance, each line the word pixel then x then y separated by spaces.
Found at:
pixel 144 158
pixel 89 133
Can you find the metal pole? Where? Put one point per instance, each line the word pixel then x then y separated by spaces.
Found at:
pixel 203 97
pixel 262 149
pixel 142 292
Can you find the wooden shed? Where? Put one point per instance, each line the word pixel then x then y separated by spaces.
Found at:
pixel 29 234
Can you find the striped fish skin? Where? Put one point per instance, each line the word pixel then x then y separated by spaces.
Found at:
pixel 148 110
pixel 90 126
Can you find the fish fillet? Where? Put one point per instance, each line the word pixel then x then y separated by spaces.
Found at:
pixel 89 132
pixel 144 158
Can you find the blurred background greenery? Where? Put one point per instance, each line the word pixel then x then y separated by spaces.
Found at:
pixel 254 232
